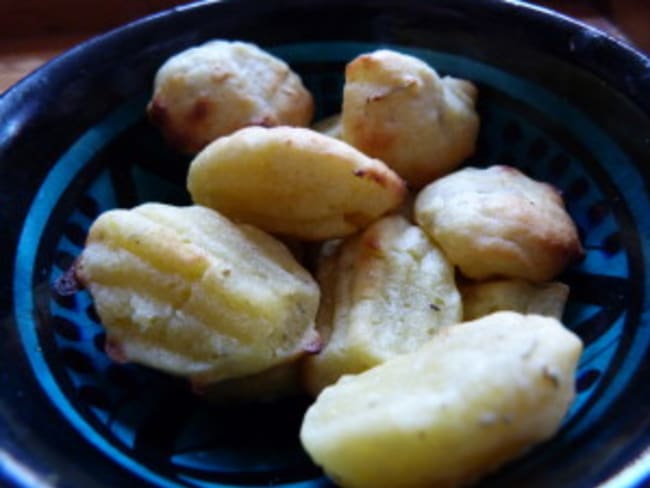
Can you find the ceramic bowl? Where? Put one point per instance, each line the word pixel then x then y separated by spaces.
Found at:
pixel 560 100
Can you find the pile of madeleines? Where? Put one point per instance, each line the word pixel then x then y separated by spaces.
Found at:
pixel 352 260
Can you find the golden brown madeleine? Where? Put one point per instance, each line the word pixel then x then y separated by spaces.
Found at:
pixel 184 290
pixel 485 297
pixel 293 181
pixel 385 292
pixel 330 126
pixel 474 397
pixel 214 89
pixel 396 108
pixel 497 222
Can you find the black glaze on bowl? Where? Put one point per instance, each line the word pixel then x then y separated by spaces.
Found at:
pixel 43 115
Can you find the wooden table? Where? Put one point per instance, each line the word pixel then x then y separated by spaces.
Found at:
pixel 33 31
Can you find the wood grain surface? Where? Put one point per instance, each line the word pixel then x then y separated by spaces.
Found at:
pixel 34 31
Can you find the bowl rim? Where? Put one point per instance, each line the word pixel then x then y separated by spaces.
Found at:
pixel 610 58
pixel 608 55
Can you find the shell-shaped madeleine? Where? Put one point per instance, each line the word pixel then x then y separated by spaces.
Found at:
pixel 396 108
pixel 211 90
pixel 293 181
pixel 384 292
pixel 474 397
pixel 499 223
pixel 485 297
pixel 184 290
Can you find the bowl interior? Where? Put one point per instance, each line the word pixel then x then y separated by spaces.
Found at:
pixel 153 429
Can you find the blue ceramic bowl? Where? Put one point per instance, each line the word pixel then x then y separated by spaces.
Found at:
pixel 562 101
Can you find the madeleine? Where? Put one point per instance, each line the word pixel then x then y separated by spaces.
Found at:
pixel 477 395
pixel 184 290
pixel 396 108
pixel 293 181
pixel 483 298
pixel 212 90
pixel 384 292
pixel 498 222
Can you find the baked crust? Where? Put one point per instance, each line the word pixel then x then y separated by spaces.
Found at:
pixel 214 89
pixel 497 222
pixel 396 108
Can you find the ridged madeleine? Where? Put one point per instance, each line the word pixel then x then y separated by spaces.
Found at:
pixel 385 292
pixel 184 290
